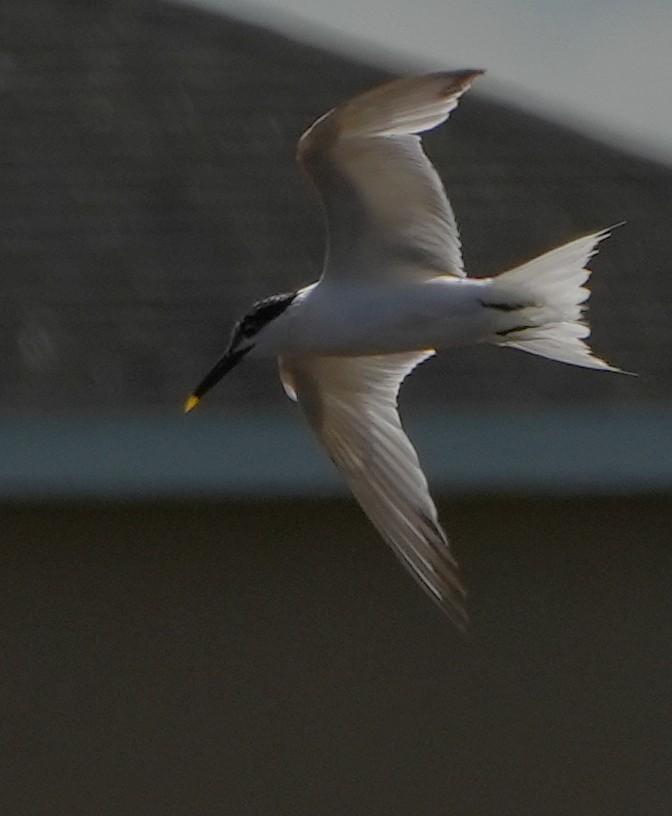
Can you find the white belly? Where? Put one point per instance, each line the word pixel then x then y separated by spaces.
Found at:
pixel 354 319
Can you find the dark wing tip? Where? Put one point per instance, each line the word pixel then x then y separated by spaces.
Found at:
pixel 324 131
pixel 453 604
pixel 456 80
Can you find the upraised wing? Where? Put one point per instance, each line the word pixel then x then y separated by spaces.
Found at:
pixel 351 404
pixel 387 212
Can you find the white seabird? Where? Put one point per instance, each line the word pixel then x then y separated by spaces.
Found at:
pixel 393 291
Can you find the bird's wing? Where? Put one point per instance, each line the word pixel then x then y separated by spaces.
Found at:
pixel 387 212
pixel 351 404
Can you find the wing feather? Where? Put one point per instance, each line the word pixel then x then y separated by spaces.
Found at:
pixel 351 405
pixel 387 211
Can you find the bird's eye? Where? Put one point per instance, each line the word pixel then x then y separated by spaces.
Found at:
pixel 248 329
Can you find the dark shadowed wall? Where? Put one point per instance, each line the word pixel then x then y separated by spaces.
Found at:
pixel 275 659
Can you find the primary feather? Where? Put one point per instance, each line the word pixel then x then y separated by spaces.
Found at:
pixel 351 405
pixel 387 212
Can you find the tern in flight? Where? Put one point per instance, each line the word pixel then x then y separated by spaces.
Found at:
pixel 393 292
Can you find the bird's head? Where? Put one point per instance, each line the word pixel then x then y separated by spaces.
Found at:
pixel 247 333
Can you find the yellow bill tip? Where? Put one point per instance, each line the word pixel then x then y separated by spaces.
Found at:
pixel 191 403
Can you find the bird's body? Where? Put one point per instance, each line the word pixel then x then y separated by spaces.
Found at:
pixel 392 292
pixel 345 318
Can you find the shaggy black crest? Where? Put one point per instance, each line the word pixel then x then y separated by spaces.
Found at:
pixel 261 313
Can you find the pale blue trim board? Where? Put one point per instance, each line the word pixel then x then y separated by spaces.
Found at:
pixel 267 455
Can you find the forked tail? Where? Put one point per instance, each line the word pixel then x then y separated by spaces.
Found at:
pixel 541 304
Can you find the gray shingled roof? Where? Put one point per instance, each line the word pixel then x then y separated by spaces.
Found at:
pixel 149 194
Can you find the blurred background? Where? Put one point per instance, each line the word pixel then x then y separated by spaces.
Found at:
pixel 194 615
